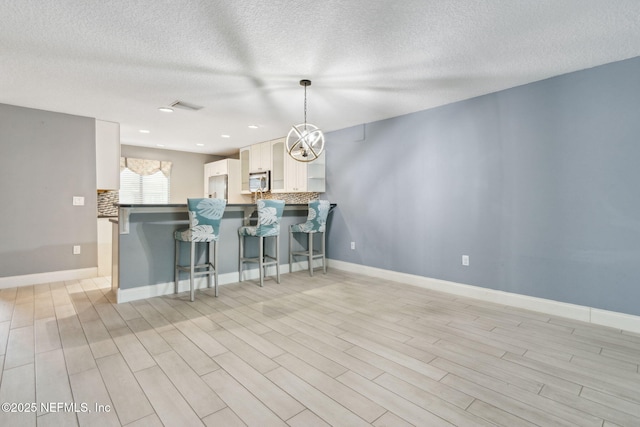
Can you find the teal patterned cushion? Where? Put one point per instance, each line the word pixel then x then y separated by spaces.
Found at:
pixel 201 233
pixel 316 219
pixel 204 220
pixel 269 215
pixel 247 230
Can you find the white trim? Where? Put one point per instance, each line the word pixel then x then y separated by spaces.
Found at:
pixel 627 322
pixel 159 289
pixel 50 277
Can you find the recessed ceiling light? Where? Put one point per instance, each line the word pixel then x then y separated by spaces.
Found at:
pixel 200 145
pixel 145 131
pixel 159 145
pixel 166 109
pixel 225 136
pixel 253 126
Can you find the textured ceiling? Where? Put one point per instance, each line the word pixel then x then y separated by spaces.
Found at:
pixel 242 60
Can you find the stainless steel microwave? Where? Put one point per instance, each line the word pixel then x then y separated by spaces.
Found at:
pixel 259 181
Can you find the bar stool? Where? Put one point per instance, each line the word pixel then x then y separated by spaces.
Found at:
pixel 316 223
pixel 269 215
pixel 204 226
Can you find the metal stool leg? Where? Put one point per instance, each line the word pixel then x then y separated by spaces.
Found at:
pixel 209 264
pixel 324 253
pixel 176 272
pixel 215 266
pixel 240 258
pixel 310 253
pixel 278 258
pixel 261 260
pixel 192 270
pixel 290 250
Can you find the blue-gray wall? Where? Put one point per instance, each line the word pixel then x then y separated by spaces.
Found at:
pixel 539 185
pixel 46 158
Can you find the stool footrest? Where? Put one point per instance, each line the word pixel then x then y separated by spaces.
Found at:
pixel 310 253
pixel 306 254
pixel 263 259
pixel 257 260
pixel 187 268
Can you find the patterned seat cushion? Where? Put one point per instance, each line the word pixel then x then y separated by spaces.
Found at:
pixel 316 219
pixel 199 233
pixel 269 215
pixel 247 231
pixel 204 220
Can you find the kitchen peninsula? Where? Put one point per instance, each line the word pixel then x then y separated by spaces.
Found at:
pixel 143 246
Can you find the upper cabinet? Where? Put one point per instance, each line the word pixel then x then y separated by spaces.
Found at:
pixel 107 155
pixel 317 175
pixel 277 166
pixel 244 169
pixel 287 174
pixel 301 177
pixel 221 167
pixel 291 176
pixel 260 157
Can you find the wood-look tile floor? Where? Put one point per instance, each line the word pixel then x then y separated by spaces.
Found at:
pixel 336 349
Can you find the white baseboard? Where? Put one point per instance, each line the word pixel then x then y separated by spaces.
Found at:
pixel 50 277
pixel 159 289
pixel 627 322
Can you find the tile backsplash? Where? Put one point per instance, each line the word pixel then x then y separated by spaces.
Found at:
pixel 291 198
pixel 106 199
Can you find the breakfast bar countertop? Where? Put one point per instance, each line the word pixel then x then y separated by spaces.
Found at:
pixel 184 205
pixel 126 209
pixel 144 246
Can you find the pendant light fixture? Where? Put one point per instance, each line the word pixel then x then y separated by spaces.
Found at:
pixel 305 141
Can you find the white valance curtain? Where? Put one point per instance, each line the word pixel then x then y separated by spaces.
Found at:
pixel 144 167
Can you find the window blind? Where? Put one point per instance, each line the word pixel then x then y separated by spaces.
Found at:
pixel 144 189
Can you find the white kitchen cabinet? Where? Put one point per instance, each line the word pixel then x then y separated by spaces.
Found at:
pixel 221 167
pixel 245 153
pixel 107 155
pixel 208 168
pixel 301 177
pixel 277 166
pixel 287 174
pixel 260 157
pixel 295 175
pixel 317 175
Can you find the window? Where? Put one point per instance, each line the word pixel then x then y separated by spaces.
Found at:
pixel 144 181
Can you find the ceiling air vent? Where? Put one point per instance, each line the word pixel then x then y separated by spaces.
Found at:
pixel 186 106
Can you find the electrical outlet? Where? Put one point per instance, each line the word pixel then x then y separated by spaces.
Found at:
pixel 78 201
pixel 76 249
pixel 465 260
pixel 353 246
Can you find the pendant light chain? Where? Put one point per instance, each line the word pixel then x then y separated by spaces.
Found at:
pixel 305 107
